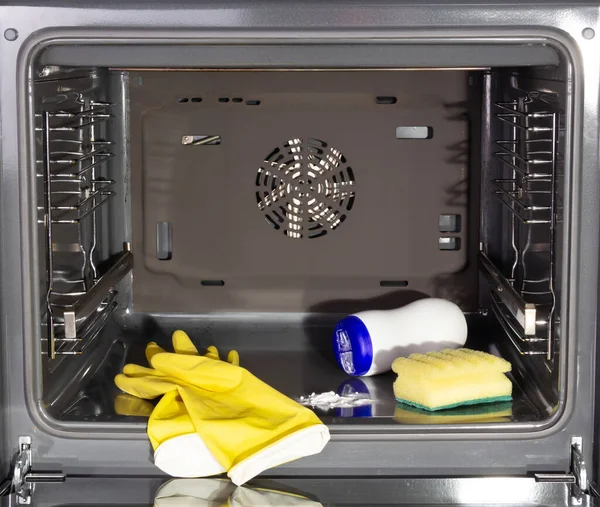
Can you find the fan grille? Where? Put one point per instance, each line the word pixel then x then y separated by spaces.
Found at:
pixel 305 188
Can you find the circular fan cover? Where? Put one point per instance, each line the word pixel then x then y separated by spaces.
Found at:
pixel 305 188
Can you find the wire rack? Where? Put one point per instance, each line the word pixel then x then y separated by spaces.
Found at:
pixel 524 305
pixel 73 162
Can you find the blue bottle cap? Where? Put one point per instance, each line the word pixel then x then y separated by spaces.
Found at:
pixel 352 346
pixel 349 387
pixel 353 386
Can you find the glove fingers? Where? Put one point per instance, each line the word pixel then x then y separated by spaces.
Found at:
pixel 212 352
pixel 182 344
pixel 151 349
pixel 135 370
pixel 125 404
pixel 199 371
pixel 233 357
pixel 147 388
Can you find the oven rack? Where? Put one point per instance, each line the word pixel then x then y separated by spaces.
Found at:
pixel 67 343
pixel 531 149
pixel 529 153
pixel 88 200
pixel 522 321
pixel 72 121
pixel 525 346
pixel 519 202
pixel 74 158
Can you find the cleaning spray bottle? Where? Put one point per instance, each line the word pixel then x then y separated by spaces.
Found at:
pixel 366 343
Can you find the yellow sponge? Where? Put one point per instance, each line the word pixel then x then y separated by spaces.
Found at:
pixel 484 413
pixel 451 378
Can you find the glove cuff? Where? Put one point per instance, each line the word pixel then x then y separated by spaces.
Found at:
pixel 305 442
pixel 186 456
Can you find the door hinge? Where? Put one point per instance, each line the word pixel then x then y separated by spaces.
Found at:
pixel 23 480
pixel 577 476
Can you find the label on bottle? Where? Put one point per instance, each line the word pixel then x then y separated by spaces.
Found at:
pixel 344 350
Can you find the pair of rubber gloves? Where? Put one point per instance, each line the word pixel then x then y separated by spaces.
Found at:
pixel 220 493
pixel 216 417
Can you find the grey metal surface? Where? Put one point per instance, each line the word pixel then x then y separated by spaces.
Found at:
pixel 324 491
pixel 305 56
pixel 397 189
pixel 299 364
pixel 5 451
pixel 359 454
pixel 179 4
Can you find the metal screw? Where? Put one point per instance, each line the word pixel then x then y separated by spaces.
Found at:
pixel 588 33
pixel 10 34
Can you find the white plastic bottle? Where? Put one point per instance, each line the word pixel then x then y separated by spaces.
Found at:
pixel 367 343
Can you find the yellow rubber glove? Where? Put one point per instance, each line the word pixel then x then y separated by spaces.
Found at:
pixel 149 383
pixel 128 405
pixel 178 449
pixel 247 425
pixel 170 428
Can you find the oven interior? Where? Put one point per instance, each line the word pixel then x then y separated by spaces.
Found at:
pixel 253 208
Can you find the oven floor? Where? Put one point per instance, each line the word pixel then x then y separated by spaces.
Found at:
pixel 287 354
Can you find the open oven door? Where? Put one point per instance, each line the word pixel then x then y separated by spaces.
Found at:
pixel 300 492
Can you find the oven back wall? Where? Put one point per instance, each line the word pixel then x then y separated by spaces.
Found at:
pixel 300 191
